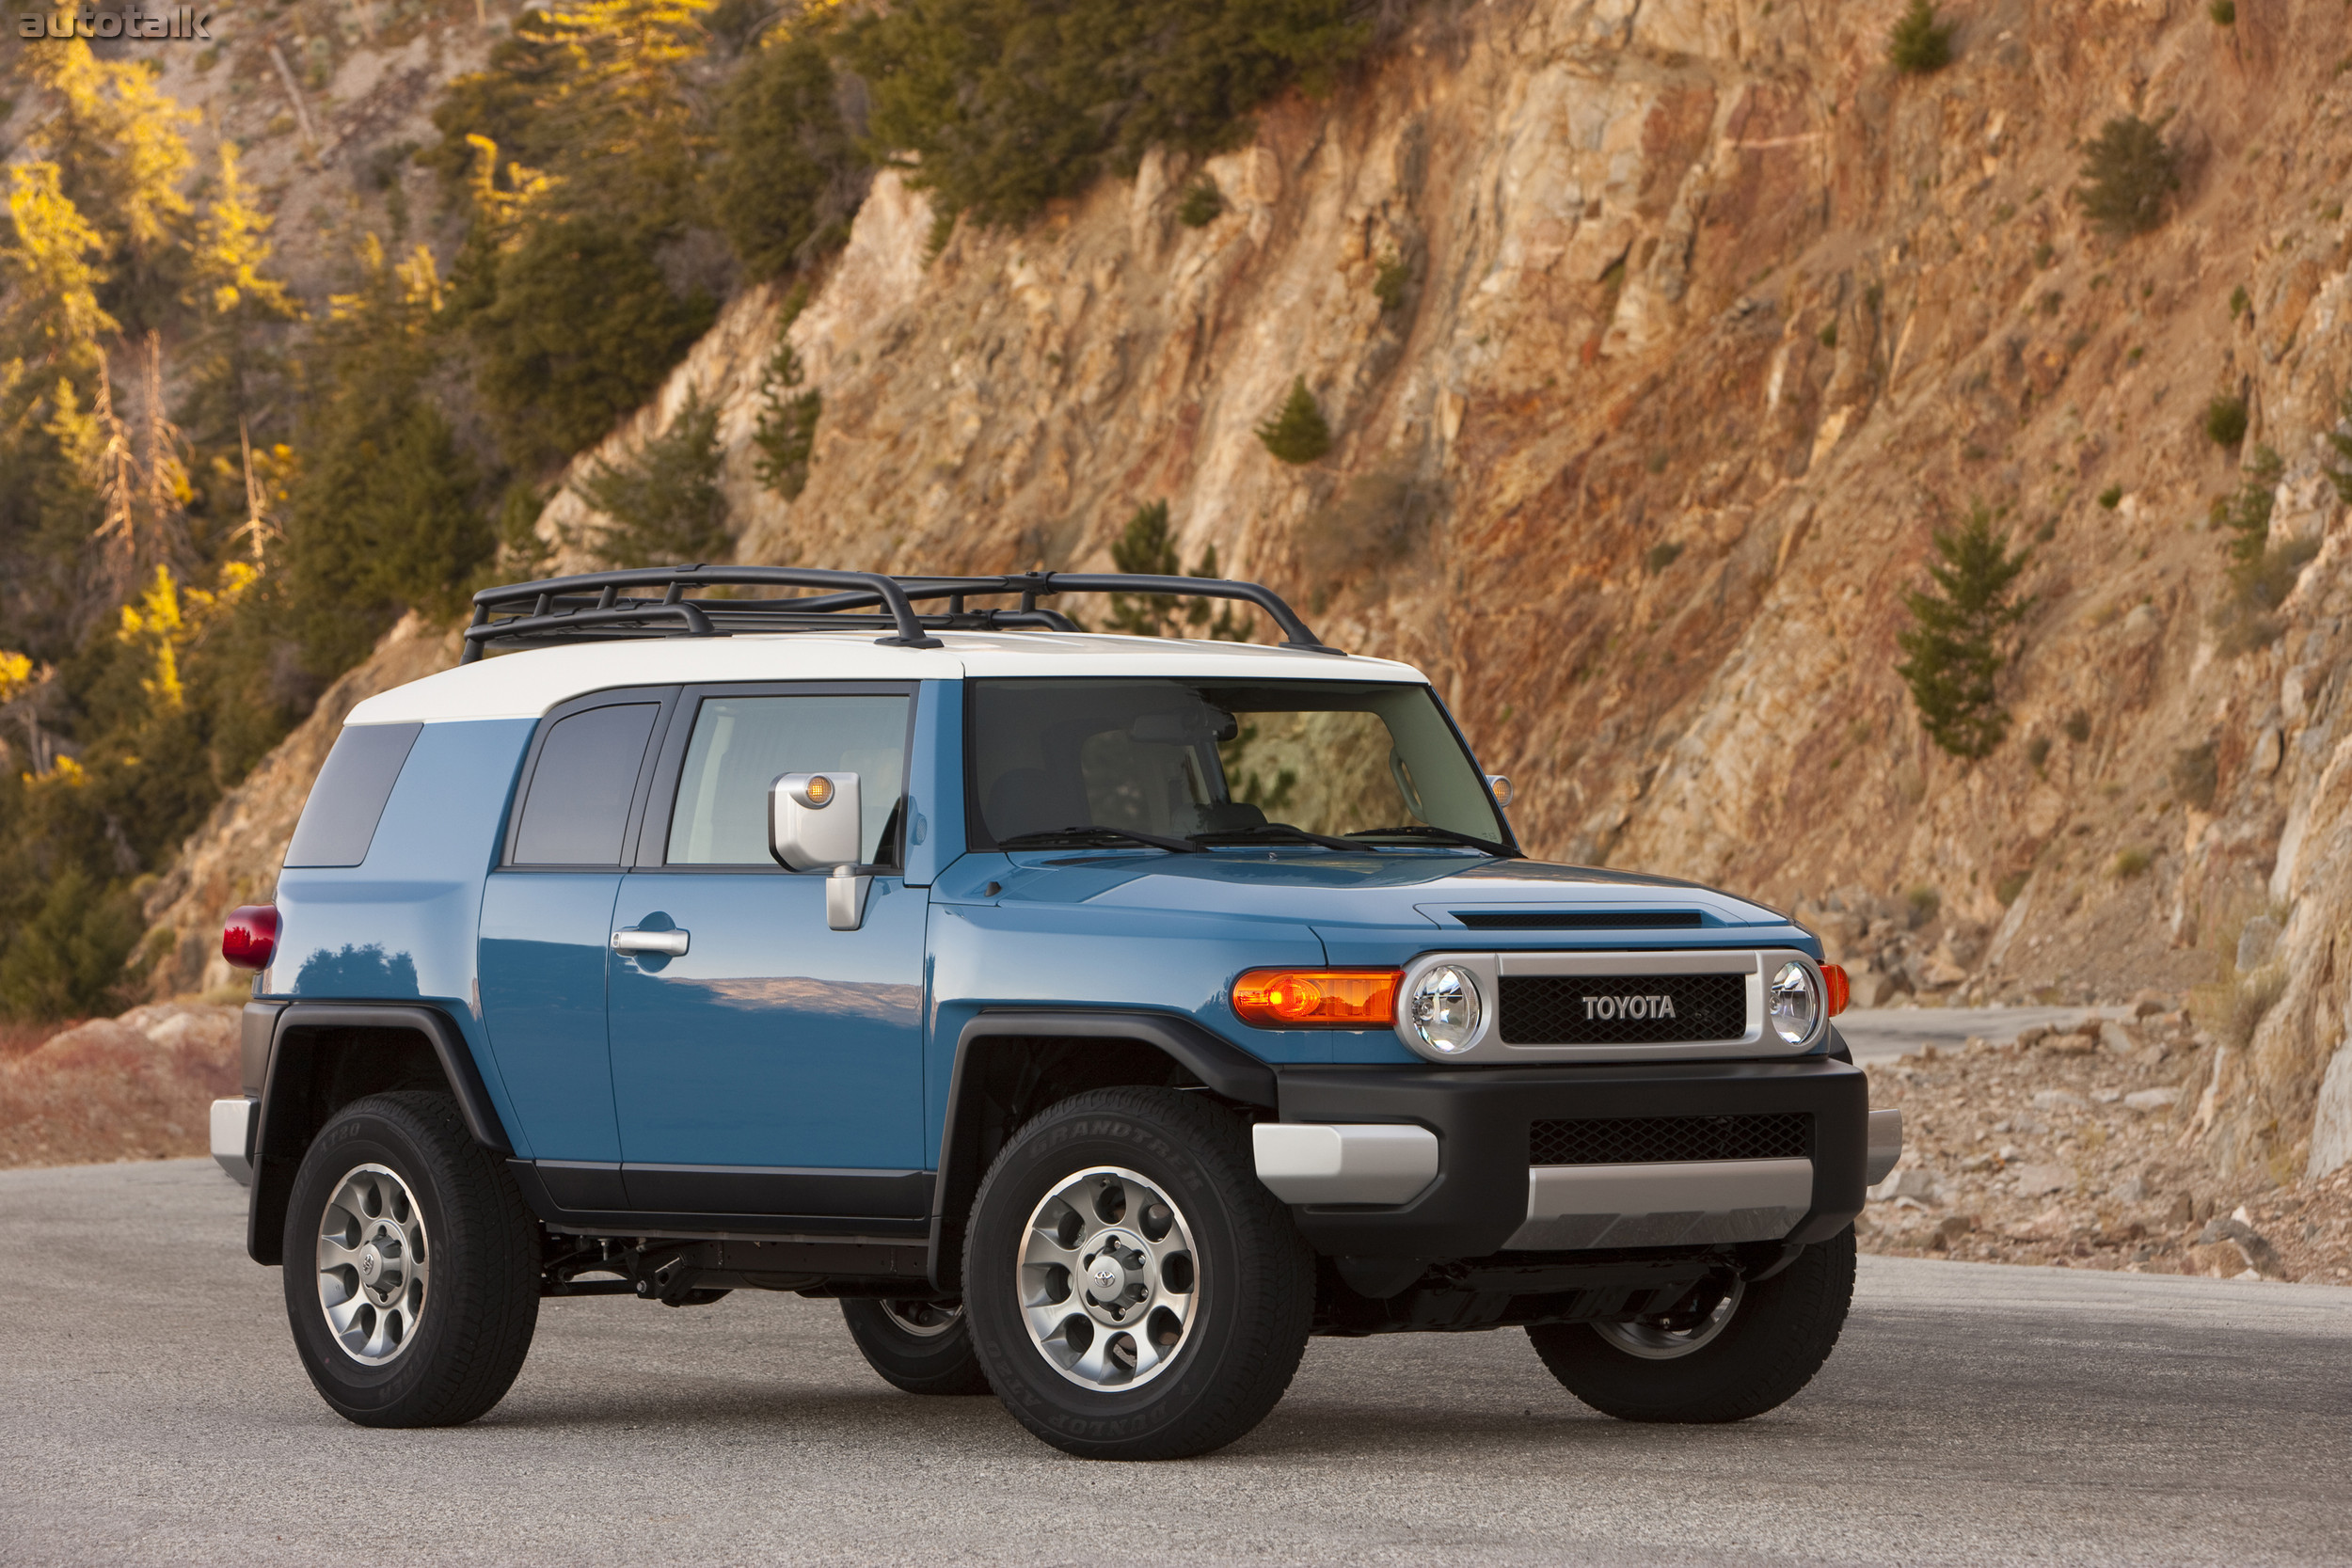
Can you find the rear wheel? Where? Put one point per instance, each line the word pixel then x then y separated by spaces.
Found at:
pixel 924 1347
pixel 1736 1351
pixel 411 1265
pixel 1135 1290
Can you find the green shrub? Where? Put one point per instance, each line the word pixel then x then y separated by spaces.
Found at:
pixel 1918 46
pixel 1828 336
pixel 1924 904
pixel 2077 726
pixel 1660 556
pixel 2008 887
pixel 1010 103
pixel 1958 641
pixel 2111 498
pixel 66 960
pixel 1147 548
pixel 788 178
pixel 665 505
pixel 2247 513
pixel 2224 12
pixel 2038 751
pixel 2128 172
pixel 2130 863
pixel 2196 774
pixel 579 329
pixel 1392 283
pixel 2239 301
pixel 1298 434
pixel 1201 204
pixel 2225 419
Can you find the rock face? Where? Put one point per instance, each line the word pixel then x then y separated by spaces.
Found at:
pixel 1708 321
pixel 138 1086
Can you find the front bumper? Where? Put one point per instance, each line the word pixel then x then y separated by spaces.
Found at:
pixel 1486 1196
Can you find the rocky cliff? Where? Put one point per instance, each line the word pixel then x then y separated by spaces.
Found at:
pixel 1707 319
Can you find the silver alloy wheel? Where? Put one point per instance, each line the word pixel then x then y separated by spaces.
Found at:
pixel 1653 1342
pixel 1108 1279
pixel 925 1320
pixel 372 1265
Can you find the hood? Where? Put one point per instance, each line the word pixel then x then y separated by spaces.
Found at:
pixel 1421 892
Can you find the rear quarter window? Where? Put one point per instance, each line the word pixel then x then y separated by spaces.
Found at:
pixel 577 810
pixel 339 820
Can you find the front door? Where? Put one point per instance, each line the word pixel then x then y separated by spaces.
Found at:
pixel 773 1065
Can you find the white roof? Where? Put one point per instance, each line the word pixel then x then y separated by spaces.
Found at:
pixel 526 684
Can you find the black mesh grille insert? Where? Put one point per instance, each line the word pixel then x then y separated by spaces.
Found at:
pixel 1626 1140
pixel 1629 1010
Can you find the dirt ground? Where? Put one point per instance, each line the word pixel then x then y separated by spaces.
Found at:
pixel 2077 1150
pixel 136 1087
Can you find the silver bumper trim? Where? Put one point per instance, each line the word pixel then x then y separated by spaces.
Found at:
pixel 1665 1203
pixel 232 1137
pixel 1885 1145
pixel 1354 1162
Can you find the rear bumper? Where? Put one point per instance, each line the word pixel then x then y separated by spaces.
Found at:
pixel 1487 1197
pixel 232 1137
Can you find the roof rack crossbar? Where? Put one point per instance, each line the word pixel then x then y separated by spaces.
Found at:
pixel 554 610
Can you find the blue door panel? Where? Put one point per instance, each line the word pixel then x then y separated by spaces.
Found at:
pixel 773 1041
pixel 545 935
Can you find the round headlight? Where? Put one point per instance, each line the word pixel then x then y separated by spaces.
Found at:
pixel 1796 1004
pixel 1445 1010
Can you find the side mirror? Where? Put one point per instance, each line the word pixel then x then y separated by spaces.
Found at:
pixel 814 821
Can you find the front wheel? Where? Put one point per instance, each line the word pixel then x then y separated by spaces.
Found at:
pixel 1734 1351
pixel 1134 1289
pixel 411 1265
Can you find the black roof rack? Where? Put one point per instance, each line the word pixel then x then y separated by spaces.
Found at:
pixel 651 601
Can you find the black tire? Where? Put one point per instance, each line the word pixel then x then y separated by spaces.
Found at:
pixel 472 1318
pixel 1777 1336
pixel 1245 1279
pixel 923 1347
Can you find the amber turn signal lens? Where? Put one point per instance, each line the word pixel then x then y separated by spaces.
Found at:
pixel 819 791
pixel 1318 997
pixel 1840 989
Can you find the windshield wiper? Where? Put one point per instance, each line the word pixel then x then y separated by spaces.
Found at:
pixel 1421 830
pixel 1038 840
pixel 1275 830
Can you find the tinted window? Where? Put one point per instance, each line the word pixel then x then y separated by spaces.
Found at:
pixel 339 820
pixel 577 812
pixel 741 744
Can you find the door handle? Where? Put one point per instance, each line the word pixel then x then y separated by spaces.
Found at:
pixel 634 940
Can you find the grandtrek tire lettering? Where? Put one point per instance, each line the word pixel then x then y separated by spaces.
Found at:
pixel 1629 1007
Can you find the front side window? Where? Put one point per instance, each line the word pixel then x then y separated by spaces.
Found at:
pixel 741 745
pixel 1210 759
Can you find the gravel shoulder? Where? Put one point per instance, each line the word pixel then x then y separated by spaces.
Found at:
pixel 152 1411
pixel 2076 1147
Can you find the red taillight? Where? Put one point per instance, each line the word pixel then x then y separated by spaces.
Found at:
pixel 1840 989
pixel 250 937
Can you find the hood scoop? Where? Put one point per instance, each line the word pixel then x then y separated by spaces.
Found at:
pixel 1578 920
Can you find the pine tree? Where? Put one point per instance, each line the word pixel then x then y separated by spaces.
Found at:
pixel 122 157
pixel 1298 434
pixel 1918 46
pixel 664 506
pixel 1147 548
pixel 235 302
pixel 1957 641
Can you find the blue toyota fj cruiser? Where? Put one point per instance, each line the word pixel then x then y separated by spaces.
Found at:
pixel 1096 1018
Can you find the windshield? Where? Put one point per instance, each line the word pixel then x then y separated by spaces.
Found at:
pixel 1208 760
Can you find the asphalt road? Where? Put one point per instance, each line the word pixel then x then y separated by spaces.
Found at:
pixel 152 1411
pixel 1881 1034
